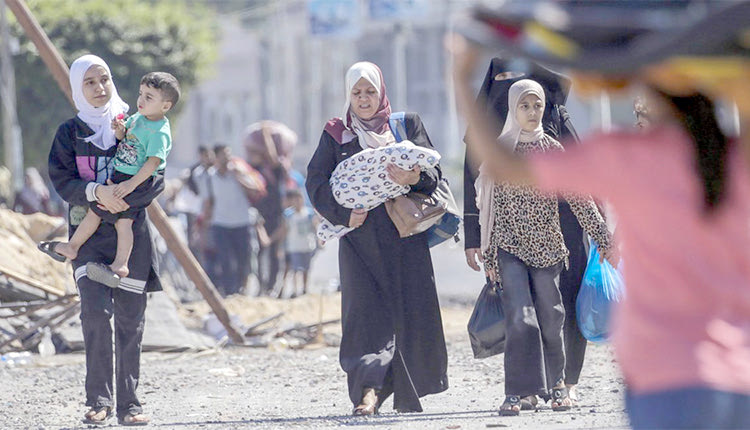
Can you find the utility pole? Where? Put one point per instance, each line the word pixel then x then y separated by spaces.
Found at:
pixel 399 64
pixel 60 71
pixel 13 151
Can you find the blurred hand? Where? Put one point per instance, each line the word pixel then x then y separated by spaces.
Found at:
pixel 357 218
pixel 118 125
pixel 123 188
pixel 490 273
pixel 403 177
pixel 473 258
pixel 465 57
pixel 612 255
pixel 107 200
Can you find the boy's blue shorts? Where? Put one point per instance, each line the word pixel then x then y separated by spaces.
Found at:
pixel 299 261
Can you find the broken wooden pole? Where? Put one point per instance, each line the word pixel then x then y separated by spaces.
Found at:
pixel 193 269
pixel 250 330
pixel 11 274
pixel 51 57
pixel 34 306
pixel 54 62
pixel 65 312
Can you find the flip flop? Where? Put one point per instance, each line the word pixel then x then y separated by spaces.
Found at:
pixel 559 396
pixel 124 421
pixel 102 274
pixel 507 408
pixel 49 249
pixel 101 422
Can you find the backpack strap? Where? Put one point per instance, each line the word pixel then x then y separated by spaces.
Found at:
pixel 397 122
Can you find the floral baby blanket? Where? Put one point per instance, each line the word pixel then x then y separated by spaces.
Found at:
pixel 361 181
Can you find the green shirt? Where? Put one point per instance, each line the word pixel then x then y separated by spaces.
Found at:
pixel 144 138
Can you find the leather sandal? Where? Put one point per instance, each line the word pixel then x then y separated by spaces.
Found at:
pixel 511 407
pixel 561 400
pixel 369 403
pixel 88 418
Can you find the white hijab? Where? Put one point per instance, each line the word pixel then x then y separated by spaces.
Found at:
pixel 368 138
pixel 510 136
pixel 98 119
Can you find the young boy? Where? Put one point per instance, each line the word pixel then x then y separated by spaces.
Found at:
pixel 300 240
pixel 144 143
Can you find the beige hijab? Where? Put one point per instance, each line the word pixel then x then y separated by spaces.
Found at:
pixel 374 132
pixel 510 136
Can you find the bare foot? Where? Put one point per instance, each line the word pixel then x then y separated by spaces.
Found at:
pixel 135 419
pixel 97 415
pixel 65 249
pixel 572 393
pixel 121 269
pixel 369 403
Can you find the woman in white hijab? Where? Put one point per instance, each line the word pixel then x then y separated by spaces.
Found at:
pixel 80 165
pixel 523 248
pixel 392 336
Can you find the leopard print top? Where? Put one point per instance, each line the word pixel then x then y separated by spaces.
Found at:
pixel 527 222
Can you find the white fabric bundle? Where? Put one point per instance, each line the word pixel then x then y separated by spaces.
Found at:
pixel 362 182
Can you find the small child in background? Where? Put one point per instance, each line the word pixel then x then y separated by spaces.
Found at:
pixel 300 223
pixel 144 142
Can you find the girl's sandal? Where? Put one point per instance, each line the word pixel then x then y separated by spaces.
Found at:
pixel 94 415
pixel 561 400
pixel 511 407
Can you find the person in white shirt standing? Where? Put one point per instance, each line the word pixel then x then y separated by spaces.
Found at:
pixel 227 207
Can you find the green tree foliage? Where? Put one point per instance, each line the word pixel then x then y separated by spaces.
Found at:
pixel 133 36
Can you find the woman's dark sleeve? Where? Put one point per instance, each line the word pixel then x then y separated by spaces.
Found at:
pixel 319 170
pixel 63 171
pixel 472 231
pixel 429 178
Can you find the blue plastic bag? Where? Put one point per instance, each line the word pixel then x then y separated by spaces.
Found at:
pixel 601 288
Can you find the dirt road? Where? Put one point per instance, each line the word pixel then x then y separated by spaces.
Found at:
pixel 262 388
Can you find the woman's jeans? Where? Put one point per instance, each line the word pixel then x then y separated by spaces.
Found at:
pixel 689 408
pixel 534 315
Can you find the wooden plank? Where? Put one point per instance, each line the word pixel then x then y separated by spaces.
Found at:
pixel 35 306
pixel 68 310
pixel 31 282
pixel 255 325
pixel 193 269
pixel 51 58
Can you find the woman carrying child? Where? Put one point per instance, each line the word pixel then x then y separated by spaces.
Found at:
pixel 80 167
pixel 392 335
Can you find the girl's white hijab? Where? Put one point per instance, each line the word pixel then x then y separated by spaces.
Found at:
pixel 374 132
pixel 510 136
pixel 98 119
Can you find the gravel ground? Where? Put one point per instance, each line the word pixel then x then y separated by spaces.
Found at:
pixel 271 388
pixel 267 388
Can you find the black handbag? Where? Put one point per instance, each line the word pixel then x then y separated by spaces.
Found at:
pixel 487 323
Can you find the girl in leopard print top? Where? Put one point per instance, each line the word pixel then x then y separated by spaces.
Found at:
pixel 527 222
pixel 523 248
